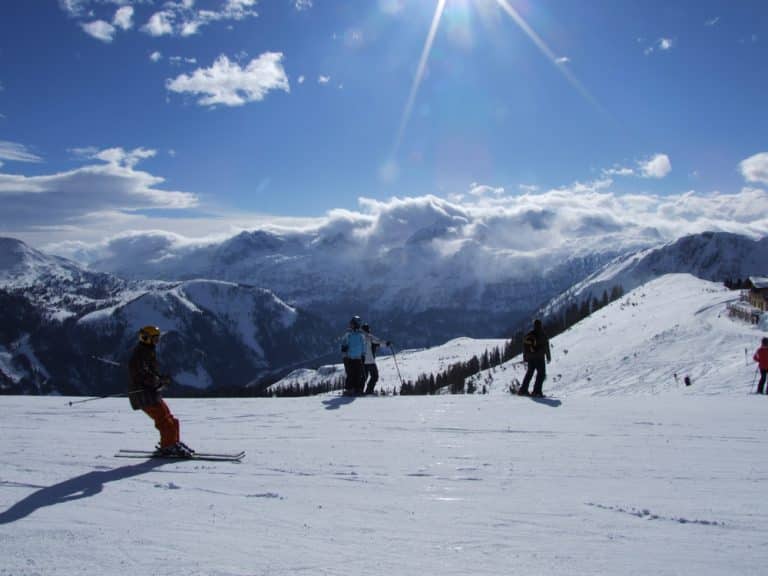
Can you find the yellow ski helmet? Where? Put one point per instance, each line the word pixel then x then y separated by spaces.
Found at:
pixel 149 335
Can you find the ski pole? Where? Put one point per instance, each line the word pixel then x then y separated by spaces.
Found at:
pixel 394 357
pixel 71 402
pixel 754 378
pixel 105 360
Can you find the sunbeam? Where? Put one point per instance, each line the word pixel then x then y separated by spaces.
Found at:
pixel 542 46
pixel 419 75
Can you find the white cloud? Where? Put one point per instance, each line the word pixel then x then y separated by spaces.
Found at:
pixel 178 60
pixel 183 19
pixel 562 60
pixel 662 44
pixel 123 17
pixel 300 79
pixel 228 84
pixel 120 157
pixel 159 24
pixel 323 79
pixel 755 168
pixel 492 229
pixel 155 56
pixel 619 171
pixel 484 190
pixel 15 152
pixel 302 4
pixel 100 30
pixel 656 167
pixel 712 21
pixel 69 198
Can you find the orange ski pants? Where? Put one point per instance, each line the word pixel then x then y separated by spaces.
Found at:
pixel 165 422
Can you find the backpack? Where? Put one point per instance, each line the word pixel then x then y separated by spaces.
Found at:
pixel 530 344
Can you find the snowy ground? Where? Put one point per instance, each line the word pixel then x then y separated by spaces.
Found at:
pixel 662 484
pixel 623 471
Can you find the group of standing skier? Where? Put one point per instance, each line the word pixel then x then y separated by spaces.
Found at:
pixel 358 351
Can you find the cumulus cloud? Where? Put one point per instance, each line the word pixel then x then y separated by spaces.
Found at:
pixel 159 24
pixel 182 18
pixel 15 152
pixel 656 167
pixel 124 18
pixel 619 171
pixel 229 84
pixel 755 168
pixel 100 30
pixel 323 79
pixel 67 198
pixel 662 44
pixel 493 232
pixel 155 56
pixel 301 5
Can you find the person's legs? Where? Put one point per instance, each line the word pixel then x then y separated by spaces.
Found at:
pixel 761 384
pixel 165 422
pixel 527 379
pixel 373 376
pixel 541 374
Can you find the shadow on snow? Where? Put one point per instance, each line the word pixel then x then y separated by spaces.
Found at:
pixel 338 401
pixel 83 486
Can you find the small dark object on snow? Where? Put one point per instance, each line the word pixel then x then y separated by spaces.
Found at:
pixel 687 380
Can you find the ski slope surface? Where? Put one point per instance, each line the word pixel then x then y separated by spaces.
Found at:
pixel 648 342
pixel 453 485
pixel 622 470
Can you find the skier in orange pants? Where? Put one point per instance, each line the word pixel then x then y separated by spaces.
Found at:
pixel 144 393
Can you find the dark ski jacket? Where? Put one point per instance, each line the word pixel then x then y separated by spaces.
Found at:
pixel 146 380
pixel 536 346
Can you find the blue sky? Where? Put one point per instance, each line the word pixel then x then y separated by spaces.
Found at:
pixel 216 113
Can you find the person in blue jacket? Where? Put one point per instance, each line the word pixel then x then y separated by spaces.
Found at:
pixel 353 351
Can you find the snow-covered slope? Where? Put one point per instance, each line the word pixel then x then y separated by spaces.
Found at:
pixel 649 341
pixel 406 364
pixel 711 256
pixel 666 485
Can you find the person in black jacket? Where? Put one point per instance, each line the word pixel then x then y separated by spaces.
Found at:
pixel 536 354
pixel 144 393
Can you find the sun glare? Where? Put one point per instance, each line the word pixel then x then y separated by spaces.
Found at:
pixel 466 5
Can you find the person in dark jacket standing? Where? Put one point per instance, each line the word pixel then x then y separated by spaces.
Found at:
pixel 144 393
pixel 536 354
pixel 761 357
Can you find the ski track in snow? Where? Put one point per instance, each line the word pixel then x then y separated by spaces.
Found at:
pixel 476 484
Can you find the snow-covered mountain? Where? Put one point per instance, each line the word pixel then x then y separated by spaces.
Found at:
pixel 712 256
pixel 425 287
pixel 57 316
pixel 300 292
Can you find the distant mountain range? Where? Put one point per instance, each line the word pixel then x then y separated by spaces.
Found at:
pixel 259 303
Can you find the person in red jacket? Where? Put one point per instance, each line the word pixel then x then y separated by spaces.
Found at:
pixel 761 357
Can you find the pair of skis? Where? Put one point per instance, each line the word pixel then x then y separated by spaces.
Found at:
pixel 210 456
